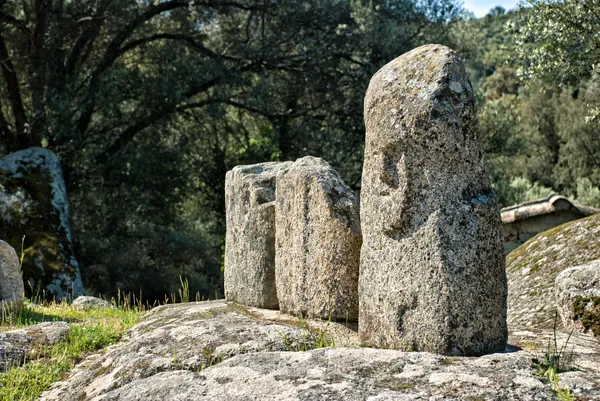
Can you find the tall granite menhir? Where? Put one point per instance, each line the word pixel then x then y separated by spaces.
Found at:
pixel 250 237
pixel 318 242
pixel 432 264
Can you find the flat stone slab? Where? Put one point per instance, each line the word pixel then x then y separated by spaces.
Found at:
pixel 343 374
pixel 18 345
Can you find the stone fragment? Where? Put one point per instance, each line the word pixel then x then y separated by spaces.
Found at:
pixel 86 302
pixel 34 205
pixel 250 238
pixel 317 250
pixel 11 282
pixel 11 356
pixel 578 298
pixel 19 345
pixel 48 333
pixel 432 262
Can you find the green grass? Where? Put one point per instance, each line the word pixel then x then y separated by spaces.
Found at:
pixel 90 330
pixel 552 364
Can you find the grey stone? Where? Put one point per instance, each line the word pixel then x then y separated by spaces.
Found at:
pixel 18 345
pixel 182 336
pixel 11 355
pixel 343 374
pixel 533 267
pixel 47 333
pixel 317 251
pixel 250 237
pixel 432 262
pixel 86 302
pixel 11 282
pixel 578 298
pixel 223 351
pixel 34 204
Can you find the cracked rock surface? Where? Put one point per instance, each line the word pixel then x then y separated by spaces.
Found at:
pixel 222 351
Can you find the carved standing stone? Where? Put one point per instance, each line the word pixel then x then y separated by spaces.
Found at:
pixel 250 238
pixel 318 242
pixel 432 264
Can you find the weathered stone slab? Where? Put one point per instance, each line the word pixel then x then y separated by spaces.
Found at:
pixel 578 298
pixel 11 282
pixel 432 265
pixel 318 242
pixel 250 238
pixel 17 346
pixel 34 204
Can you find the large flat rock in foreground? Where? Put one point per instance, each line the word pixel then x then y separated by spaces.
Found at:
pixel 223 351
pixel 432 272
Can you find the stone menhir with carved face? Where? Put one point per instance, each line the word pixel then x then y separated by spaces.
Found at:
pixel 432 272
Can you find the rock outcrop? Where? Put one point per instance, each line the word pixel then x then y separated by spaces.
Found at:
pixel 250 238
pixel 34 205
pixel 432 262
pixel 11 282
pixel 533 267
pixel 317 250
pixel 578 298
pixel 223 351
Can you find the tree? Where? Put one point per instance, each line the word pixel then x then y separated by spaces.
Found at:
pixel 149 103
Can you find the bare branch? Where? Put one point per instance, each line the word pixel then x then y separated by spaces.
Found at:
pixel 19 24
pixel 13 90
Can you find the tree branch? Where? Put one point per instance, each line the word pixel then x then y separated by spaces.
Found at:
pixel 114 49
pixel 13 90
pixel 20 25
pixel 129 133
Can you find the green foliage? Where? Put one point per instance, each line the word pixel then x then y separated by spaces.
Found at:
pixel 149 104
pixel 587 193
pixel 537 90
pixel 558 40
pixel 587 311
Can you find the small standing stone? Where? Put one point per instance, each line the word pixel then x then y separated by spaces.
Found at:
pixel 432 264
pixel 250 238
pixel 318 242
pixel 11 282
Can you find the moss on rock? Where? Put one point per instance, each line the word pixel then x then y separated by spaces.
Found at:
pixel 587 311
pixel 532 269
